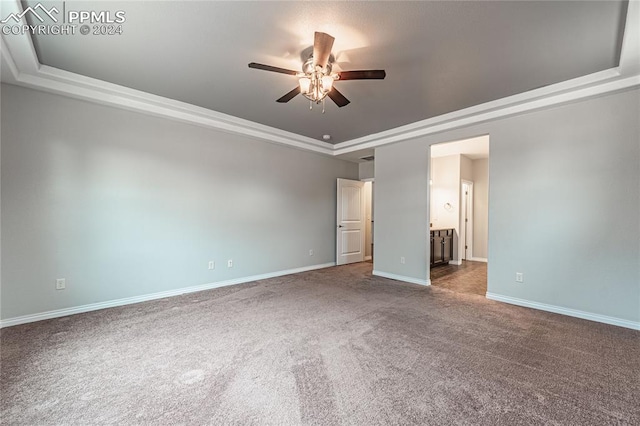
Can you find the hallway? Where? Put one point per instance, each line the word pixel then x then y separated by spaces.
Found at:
pixel 470 277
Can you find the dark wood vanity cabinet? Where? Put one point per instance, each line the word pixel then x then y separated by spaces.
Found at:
pixel 441 246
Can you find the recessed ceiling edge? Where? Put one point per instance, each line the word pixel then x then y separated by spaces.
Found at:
pixel 18 52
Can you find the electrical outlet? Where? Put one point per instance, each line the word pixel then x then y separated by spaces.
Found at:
pixel 230 263
pixel 61 284
pixel 402 260
pixel 311 252
pixel 212 264
pixel 519 277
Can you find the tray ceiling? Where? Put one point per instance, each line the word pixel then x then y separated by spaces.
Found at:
pixel 439 56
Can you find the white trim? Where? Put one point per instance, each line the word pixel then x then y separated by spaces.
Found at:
pixel 457 262
pixel 19 47
pixel 153 296
pixel 630 52
pixel 19 51
pixel 77 86
pixel 608 82
pixel 416 128
pixel 565 311
pixel 401 278
pixel 367 258
pixel 27 71
pixel 7 59
pixel 478 259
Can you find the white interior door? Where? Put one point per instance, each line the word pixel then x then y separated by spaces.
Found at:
pixel 350 221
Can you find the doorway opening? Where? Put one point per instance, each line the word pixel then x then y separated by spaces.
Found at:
pixel 458 215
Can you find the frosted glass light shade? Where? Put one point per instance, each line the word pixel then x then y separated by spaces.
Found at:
pixel 304 83
pixel 327 83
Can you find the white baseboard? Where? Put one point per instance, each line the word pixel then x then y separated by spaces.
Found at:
pixel 565 311
pixel 367 258
pixel 478 259
pixel 153 296
pixel 455 262
pixel 401 278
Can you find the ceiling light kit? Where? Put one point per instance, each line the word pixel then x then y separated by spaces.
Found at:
pixel 315 82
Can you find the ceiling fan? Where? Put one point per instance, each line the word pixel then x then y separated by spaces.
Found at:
pixel 315 82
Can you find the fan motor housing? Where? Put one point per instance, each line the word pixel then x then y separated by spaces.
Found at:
pixel 308 68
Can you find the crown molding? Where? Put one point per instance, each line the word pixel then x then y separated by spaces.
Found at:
pixel 597 84
pixel 625 76
pixel 20 59
pixel 630 51
pixel 18 53
pixel 8 68
pixel 81 87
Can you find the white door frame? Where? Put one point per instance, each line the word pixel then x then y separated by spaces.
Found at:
pixel 466 212
pixel 369 218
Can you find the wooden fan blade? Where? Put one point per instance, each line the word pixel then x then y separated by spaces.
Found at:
pixel 322 45
pixel 338 97
pixel 292 94
pixel 270 68
pixel 363 75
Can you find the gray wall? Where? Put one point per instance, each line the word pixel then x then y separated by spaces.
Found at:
pixel 401 195
pixel 563 205
pixel 123 204
pixel 480 179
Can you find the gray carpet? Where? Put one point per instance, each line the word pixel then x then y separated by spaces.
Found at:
pixel 335 346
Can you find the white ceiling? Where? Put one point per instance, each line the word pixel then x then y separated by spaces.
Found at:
pixel 439 56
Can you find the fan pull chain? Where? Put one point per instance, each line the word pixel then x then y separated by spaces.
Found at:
pixel 323 105
pixel 310 104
